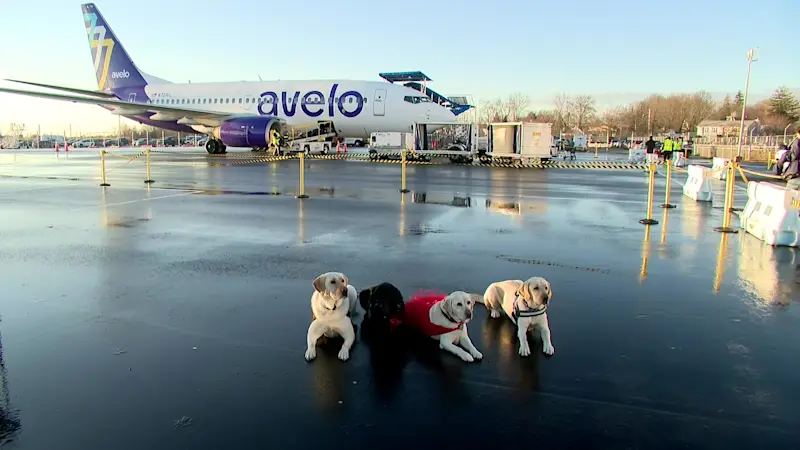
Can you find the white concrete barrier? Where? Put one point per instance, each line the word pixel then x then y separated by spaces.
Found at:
pixel 772 214
pixel 680 159
pixel 698 184
pixel 718 167
pixel 636 155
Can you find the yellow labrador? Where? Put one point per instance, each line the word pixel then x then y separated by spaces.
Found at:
pixel 525 303
pixel 445 319
pixel 333 303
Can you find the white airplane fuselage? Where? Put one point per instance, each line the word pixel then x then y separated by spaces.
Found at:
pixel 356 108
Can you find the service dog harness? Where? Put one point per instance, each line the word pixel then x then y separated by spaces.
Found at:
pixel 517 313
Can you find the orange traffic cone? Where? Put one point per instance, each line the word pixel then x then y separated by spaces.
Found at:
pixel 56 147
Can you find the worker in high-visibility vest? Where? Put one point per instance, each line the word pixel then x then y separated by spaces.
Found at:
pixel 276 141
pixel 667 150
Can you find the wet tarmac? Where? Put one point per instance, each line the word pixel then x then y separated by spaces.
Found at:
pixel 175 316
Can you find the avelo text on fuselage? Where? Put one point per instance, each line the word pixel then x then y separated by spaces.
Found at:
pixel 313 103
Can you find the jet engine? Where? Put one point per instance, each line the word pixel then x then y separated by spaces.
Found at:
pixel 247 131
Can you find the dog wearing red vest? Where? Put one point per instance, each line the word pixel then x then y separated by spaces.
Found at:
pixel 444 317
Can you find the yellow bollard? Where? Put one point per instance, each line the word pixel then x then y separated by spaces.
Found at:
pixel 651 186
pixel 730 179
pixel 721 253
pixel 403 173
pixel 302 189
pixel 666 204
pixel 103 168
pixel 149 179
pixel 645 255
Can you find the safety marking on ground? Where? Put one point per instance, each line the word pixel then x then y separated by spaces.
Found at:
pixel 602 165
pixel 180 194
pixel 540 262
pixel 264 159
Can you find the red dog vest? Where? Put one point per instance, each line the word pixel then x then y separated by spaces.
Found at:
pixel 418 314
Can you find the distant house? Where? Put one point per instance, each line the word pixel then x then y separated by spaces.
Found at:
pixel 728 127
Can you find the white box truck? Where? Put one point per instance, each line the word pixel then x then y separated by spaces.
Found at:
pixel 521 140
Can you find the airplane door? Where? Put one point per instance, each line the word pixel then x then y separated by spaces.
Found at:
pixel 379 102
pixel 132 97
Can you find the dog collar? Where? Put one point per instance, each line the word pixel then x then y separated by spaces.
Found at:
pixel 449 318
pixel 527 313
pixel 330 309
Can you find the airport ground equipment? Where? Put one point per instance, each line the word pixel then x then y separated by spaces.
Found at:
pixel 458 140
pixel 419 81
pixel 528 142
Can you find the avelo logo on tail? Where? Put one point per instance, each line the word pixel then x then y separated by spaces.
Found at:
pixel 122 74
pixel 97 46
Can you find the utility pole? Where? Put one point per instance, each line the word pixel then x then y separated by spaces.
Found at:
pixel 751 56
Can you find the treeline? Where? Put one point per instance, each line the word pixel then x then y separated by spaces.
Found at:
pixel 654 114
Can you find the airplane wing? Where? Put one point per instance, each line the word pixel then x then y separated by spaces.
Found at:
pixel 119 107
pixel 95 93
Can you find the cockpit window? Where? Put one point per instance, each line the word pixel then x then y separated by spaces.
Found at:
pixel 416 99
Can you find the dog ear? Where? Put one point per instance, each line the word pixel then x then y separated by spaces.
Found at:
pixel 363 297
pixel 525 291
pixel 319 283
pixel 549 289
pixel 346 280
pixel 447 304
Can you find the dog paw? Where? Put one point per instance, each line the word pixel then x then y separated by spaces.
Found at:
pixel 494 314
pixel 524 351
pixel 548 349
pixel 467 357
pixel 476 354
pixel 344 354
pixel 311 354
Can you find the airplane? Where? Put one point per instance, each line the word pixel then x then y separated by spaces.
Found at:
pixel 239 114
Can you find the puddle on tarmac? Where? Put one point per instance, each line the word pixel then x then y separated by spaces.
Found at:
pixel 423 230
pixel 126 222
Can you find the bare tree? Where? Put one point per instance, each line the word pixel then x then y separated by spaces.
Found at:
pixel 517 105
pixel 561 112
pixel 486 111
pixel 583 109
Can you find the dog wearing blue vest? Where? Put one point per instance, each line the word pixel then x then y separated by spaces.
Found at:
pixel 525 303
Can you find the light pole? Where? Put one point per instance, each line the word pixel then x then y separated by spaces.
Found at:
pixel 751 56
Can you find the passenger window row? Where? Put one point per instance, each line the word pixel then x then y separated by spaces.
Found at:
pixel 241 100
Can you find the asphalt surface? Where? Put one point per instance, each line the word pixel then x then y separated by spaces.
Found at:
pixel 175 316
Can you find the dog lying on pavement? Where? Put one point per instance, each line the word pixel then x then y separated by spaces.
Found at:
pixel 333 304
pixel 444 317
pixel 525 303
pixel 384 306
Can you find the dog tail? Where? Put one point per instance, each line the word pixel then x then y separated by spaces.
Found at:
pixel 477 298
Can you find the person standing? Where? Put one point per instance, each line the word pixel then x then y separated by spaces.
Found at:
pixel 792 172
pixel 650 149
pixel 667 148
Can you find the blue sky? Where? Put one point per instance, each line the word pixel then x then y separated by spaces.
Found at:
pixel 617 50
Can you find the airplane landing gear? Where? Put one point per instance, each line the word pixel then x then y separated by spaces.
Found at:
pixel 215 147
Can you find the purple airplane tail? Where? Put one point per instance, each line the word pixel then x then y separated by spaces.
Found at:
pixel 114 69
